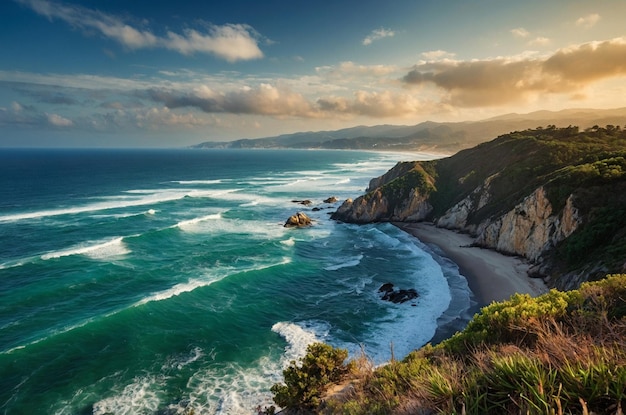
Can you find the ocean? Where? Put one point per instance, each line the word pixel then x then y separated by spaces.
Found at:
pixel 163 281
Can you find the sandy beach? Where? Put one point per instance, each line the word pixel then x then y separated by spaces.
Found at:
pixel 490 275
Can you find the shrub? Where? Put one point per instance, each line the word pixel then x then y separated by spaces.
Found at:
pixel 306 383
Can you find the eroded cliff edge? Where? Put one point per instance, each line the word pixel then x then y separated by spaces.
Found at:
pixel 556 196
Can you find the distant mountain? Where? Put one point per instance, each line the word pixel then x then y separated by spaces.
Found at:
pixel 448 137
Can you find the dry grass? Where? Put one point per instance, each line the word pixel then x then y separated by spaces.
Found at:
pixel 567 364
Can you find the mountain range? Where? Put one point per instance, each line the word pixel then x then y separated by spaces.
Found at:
pixel 443 137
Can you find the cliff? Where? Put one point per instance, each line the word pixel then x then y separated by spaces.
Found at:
pixel 555 196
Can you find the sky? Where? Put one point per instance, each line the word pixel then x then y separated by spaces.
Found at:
pixel 162 73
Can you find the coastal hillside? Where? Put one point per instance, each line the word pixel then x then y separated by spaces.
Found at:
pixel 556 196
pixel 560 353
pixel 443 137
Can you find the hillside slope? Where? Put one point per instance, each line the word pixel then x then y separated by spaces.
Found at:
pixel 556 196
pixel 443 137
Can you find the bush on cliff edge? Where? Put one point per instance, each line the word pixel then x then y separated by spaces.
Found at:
pixel 560 353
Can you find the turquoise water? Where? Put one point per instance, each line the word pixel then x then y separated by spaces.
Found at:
pixel 145 282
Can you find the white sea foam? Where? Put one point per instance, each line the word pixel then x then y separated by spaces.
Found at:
pixel 139 397
pixel 230 389
pixel 399 326
pixel 189 224
pixel 345 262
pixel 289 242
pixel 214 276
pixel 194 182
pixel 145 197
pixel 97 250
pixel 299 336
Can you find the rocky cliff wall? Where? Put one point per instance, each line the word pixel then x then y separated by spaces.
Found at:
pixel 530 229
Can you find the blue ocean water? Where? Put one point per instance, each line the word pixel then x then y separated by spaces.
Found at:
pixel 161 281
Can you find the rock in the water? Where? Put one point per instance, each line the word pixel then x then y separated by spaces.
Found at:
pixel 298 220
pixel 305 202
pixel 389 293
pixel 386 288
pixel 331 199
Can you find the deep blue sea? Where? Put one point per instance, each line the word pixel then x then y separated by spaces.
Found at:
pixel 161 281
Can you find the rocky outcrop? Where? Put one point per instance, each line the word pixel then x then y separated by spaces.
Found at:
pixel 397 296
pixel 298 220
pixel 401 194
pixel 531 228
pixel 376 207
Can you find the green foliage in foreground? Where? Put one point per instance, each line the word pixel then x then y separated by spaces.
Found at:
pixel 305 382
pixel 560 353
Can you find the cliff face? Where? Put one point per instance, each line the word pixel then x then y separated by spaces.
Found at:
pixel 529 229
pixel 519 195
pixel 386 202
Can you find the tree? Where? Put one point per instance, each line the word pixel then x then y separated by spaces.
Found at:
pixel 305 384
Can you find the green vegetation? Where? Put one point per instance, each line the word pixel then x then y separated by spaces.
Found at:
pixel 560 353
pixel 306 382
pixel 586 168
pixel 399 189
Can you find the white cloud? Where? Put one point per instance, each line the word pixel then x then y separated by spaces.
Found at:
pixel 231 42
pixel 16 106
pixel 372 104
pixel 520 32
pixel 58 121
pixel 349 70
pixel 435 55
pixel 588 21
pixel 377 35
pixel 498 81
pixel 539 41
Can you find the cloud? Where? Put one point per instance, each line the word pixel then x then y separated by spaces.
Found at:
pixel 520 32
pixel 372 104
pixel 59 121
pixel 588 21
pixel 589 62
pixel 506 80
pixel 539 41
pixel 264 99
pixel 377 35
pixel 435 55
pixel 231 42
pixel 350 69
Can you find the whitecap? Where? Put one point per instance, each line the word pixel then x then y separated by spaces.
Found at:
pixel 299 336
pixel 97 250
pixel 192 182
pixel 289 242
pixel 190 223
pixel 138 397
pixel 207 280
pixel 345 262
pixel 146 197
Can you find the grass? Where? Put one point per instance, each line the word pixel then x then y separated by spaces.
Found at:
pixel 560 353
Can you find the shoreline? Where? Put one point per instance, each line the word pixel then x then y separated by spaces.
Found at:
pixel 491 276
